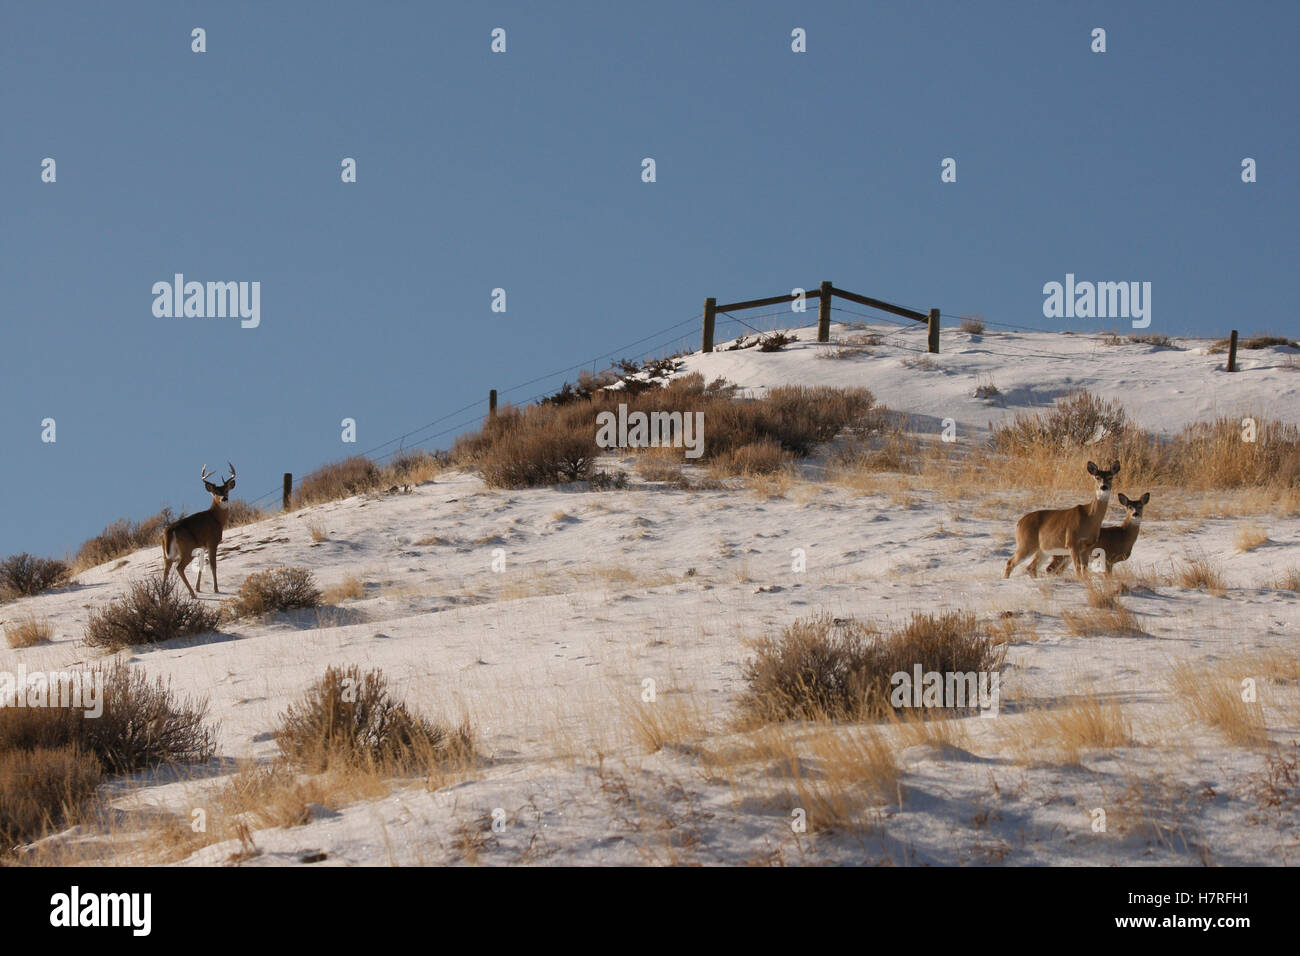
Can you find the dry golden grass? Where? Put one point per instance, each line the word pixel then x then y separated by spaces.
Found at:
pixel 350 588
pixel 28 631
pixel 1212 695
pixel 842 778
pixel 1288 580
pixel 318 531
pixel 1062 734
pixel 1105 615
pixel 672 720
pixel 1201 574
pixel 1250 536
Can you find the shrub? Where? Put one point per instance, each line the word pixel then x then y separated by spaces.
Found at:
pixel 276 589
pixel 240 512
pixel 349 717
pixel 41 788
pixel 821 668
pixel 774 342
pixel 973 325
pixel 549 451
pixel 142 725
pixel 122 537
pixel 1159 341
pixel 24 574
pixel 339 479
pixel 757 458
pixel 152 610
pixel 28 632
pixel 1078 420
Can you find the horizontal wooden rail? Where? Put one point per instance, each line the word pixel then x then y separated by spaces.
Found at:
pixel 774 300
pixel 883 306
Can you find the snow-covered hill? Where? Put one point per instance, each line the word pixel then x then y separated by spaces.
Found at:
pixel 602 591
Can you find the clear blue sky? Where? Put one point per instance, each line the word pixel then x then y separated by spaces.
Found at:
pixel 522 170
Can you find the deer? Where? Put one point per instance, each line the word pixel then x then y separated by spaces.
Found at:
pixel 1067 531
pixel 203 529
pixel 1117 540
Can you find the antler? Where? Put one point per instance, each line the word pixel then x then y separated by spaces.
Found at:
pixel 232 468
pixel 206 474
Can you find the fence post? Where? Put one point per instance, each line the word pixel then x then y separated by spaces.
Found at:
pixel 824 314
pixel 1232 351
pixel 492 403
pixel 934 331
pixel 710 310
pixel 288 491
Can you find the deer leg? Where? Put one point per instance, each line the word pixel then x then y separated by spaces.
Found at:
pixel 1033 565
pixel 212 560
pixel 1056 564
pixel 180 569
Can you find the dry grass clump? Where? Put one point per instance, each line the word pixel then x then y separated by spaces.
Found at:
pixel 1288 580
pixel 757 458
pixel 821 668
pixel 349 718
pixel 143 723
pixel 318 531
pixel 1250 536
pixel 1082 723
pixel 41 789
pixel 1214 697
pixel 152 610
pixel 922 363
pixel 1201 574
pixel 339 479
pixel 273 590
pixel 972 325
pixel 24 574
pixel 348 589
pixel 666 721
pixel 28 631
pixel 1111 620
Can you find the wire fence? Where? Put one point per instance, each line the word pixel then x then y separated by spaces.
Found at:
pixel 761 324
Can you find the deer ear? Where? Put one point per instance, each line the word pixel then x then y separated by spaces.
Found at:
pixel 1123 500
pixel 1092 467
pixel 1146 497
pixel 1114 468
pixel 230 484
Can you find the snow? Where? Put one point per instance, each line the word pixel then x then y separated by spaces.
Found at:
pixel 603 590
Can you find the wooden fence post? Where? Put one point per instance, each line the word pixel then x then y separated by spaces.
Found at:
pixel 824 314
pixel 1232 351
pixel 934 331
pixel 492 403
pixel 710 311
pixel 287 496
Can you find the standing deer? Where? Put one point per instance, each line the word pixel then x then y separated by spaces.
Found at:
pixel 1117 540
pixel 1068 531
pixel 202 529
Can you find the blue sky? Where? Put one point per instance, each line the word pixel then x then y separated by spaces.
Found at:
pixel 522 171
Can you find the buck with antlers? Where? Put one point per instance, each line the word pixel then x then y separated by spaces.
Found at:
pixel 200 530
pixel 1068 532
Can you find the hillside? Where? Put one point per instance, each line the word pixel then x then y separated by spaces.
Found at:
pixel 604 590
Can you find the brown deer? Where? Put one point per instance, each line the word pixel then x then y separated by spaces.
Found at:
pixel 202 529
pixel 1117 540
pixel 1068 531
